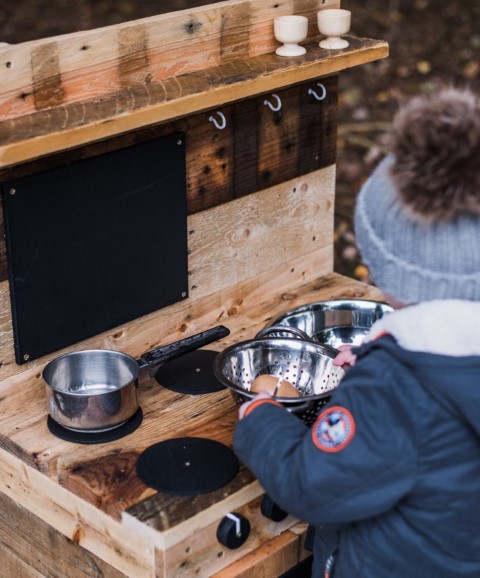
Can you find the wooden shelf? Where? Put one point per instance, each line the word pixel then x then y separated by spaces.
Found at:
pixel 63 127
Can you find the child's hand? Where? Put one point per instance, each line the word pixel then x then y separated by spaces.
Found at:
pixel 345 358
pixel 243 408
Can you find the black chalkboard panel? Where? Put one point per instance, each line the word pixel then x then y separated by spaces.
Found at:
pixel 95 244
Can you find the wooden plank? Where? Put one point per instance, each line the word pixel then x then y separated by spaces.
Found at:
pixel 257 149
pixel 73 124
pixel 75 518
pixel 300 529
pixel 13 566
pixel 245 311
pixel 192 547
pixel 228 246
pixel 245 145
pixel 92 64
pixel 30 548
pixel 200 553
pixel 251 235
pixel 313 124
pixel 210 159
pixel 272 558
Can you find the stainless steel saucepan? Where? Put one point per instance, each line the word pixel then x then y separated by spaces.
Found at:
pixel 96 390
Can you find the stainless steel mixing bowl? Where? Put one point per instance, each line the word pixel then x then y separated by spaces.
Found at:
pixel 337 322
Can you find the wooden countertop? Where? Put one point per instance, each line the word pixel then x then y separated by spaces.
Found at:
pixel 92 492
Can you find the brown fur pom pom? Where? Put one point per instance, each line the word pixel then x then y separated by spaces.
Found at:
pixel 436 144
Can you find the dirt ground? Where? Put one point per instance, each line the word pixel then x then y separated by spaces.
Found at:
pixel 432 43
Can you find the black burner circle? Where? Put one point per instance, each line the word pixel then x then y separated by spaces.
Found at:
pixel 187 466
pixel 191 373
pixel 96 437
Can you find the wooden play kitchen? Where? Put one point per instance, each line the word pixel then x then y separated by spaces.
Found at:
pixel 159 178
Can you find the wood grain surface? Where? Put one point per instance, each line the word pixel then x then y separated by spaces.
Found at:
pixel 47 131
pixel 251 240
pixel 30 548
pixel 258 148
pixel 93 64
pixel 91 493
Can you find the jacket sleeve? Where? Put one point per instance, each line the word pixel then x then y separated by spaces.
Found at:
pixel 359 477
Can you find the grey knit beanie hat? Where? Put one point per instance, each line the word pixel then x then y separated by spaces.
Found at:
pixel 417 218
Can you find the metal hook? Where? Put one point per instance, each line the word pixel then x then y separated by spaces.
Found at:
pixel 276 107
pixel 222 118
pixel 315 95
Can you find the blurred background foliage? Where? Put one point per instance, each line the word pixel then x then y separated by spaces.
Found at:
pixel 433 43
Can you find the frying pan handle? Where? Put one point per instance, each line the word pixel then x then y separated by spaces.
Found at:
pixel 153 359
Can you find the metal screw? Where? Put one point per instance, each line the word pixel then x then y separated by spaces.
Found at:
pixel 184 293
pixel 13 191
pixel 179 142
pixel 26 357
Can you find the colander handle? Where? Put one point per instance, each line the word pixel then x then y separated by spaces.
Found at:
pixel 330 351
pixel 298 333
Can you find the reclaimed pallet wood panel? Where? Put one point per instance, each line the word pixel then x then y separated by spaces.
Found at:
pixel 211 158
pixel 233 243
pixel 295 218
pixel 75 518
pixel 30 548
pixel 199 553
pixel 48 131
pixel 257 149
pixel 77 67
pixel 272 558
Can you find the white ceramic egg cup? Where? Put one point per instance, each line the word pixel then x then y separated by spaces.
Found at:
pixel 334 23
pixel 290 30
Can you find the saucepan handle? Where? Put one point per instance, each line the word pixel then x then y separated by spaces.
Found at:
pixel 153 359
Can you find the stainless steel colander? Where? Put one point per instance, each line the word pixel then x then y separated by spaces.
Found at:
pixel 305 364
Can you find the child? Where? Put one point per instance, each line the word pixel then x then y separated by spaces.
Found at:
pixel 389 474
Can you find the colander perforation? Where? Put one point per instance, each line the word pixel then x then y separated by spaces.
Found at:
pixel 305 364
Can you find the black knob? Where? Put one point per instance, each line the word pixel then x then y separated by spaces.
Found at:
pixel 233 530
pixel 271 511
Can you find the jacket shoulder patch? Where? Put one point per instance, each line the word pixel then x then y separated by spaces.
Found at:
pixel 334 429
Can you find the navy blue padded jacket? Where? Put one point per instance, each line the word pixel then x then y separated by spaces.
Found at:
pixel 397 493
